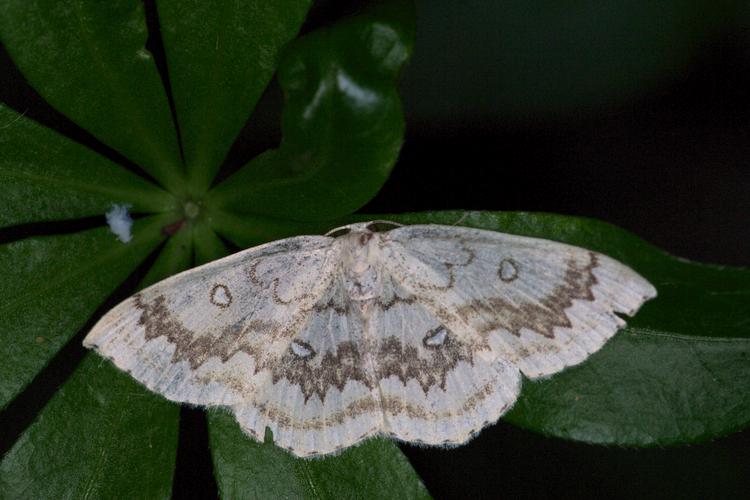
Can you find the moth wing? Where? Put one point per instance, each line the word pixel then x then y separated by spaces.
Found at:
pixel 437 386
pixel 322 398
pixel 205 335
pixel 538 304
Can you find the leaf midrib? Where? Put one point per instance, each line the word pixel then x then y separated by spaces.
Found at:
pixel 649 332
pixel 108 438
pixel 122 97
pixel 198 169
pixel 126 194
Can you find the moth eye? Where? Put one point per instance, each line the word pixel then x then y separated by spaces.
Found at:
pixel 302 349
pixel 381 226
pixel 508 270
pixel 221 296
pixel 436 337
pixel 339 232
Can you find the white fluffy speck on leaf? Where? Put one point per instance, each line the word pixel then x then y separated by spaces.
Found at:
pixel 120 222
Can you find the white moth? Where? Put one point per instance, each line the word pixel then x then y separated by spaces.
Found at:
pixel 420 333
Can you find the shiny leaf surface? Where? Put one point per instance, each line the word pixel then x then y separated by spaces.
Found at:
pixel 45 176
pixel 221 56
pixel 89 60
pixel 247 469
pixel 342 124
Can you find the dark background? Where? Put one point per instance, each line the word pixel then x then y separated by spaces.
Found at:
pixel 618 112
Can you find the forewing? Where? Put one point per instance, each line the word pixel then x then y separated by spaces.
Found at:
pixel 538 304
pixel 204 336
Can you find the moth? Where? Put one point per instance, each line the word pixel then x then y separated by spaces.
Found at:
pixel 420 332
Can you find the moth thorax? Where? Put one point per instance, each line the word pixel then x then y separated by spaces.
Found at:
pixel 359 251
pixel 362 285
pixel 361 270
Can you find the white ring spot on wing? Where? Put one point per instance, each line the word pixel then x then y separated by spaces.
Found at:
pixel 508 270
pixel 436 338
pixel 302 349
pixel 220 296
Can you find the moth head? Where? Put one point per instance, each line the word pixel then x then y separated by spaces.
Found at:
pixel 360 242
pixel 359 229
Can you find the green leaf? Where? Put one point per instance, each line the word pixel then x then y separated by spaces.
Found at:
pixel 52 285
pixel 342 124
pixel 678 373
pixel 250 230
pixel 102 436
pixel 208 245
pixel 247 469
pixel 221 56
pixel 119 439
pixel 45 176
pixel 175 257
pixel 88 59
pixel 647 387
